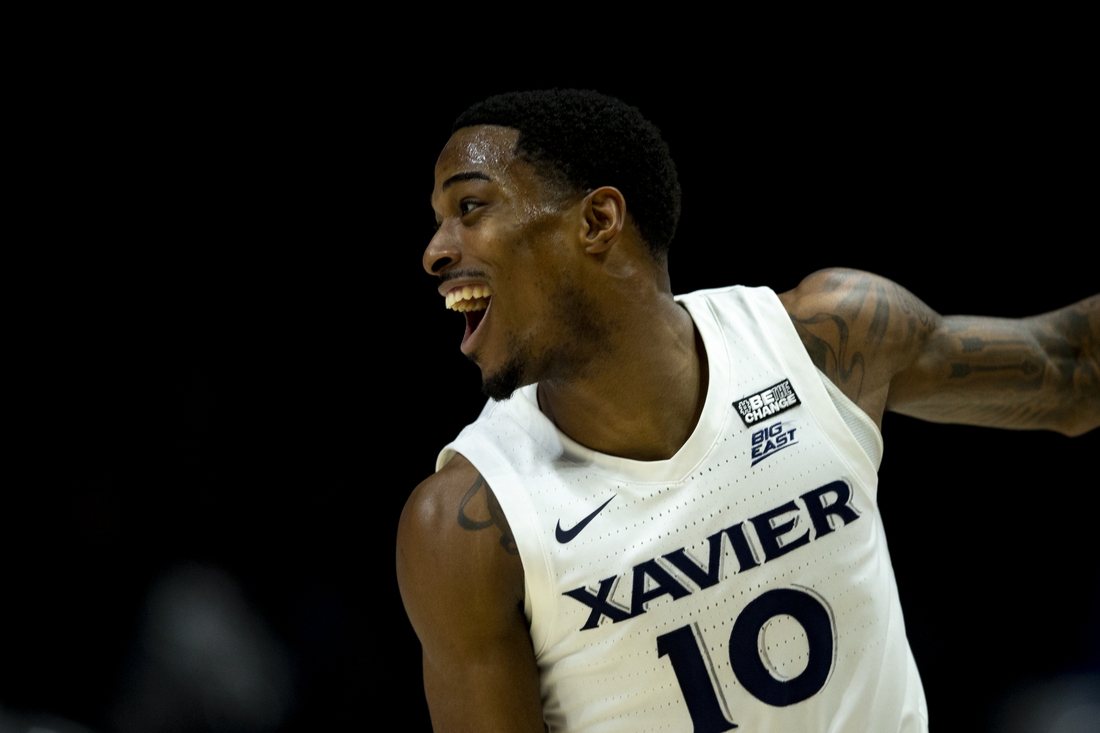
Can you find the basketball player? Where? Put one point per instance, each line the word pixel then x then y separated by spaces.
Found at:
pixel 665 518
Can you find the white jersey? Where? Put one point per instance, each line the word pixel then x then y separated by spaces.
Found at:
pixel 745 582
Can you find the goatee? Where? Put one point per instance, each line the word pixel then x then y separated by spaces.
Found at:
pixel 507 380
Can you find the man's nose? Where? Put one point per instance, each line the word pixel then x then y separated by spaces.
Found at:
pixel 442 251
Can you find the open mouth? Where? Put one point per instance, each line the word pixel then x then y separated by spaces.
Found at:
pixel 473 301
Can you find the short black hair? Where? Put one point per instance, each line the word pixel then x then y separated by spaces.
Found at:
pixel 584 140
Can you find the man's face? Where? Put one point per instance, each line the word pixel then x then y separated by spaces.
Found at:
pixel 506 255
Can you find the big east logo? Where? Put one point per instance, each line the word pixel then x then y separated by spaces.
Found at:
pixel 768 441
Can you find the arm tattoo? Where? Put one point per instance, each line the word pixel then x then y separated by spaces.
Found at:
pixel 970 345
pixel 1026 368
pixel 822 352
pixel 918 312
pixel 846 353
pixel 1020 355
pixel 876 332
pixel 1039 372
pixel 496 515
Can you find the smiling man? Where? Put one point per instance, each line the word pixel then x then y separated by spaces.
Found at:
pixel 665 518
pixel 551 326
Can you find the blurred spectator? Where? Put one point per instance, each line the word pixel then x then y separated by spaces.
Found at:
pixel 204 661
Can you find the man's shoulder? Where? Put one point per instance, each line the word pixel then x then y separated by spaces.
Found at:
pixel 860 330
pixel 723 292
pixel 430 508
pixel 451 517
pixel 835 286
pixel 737 299
pixel 513 424
pixel 816 288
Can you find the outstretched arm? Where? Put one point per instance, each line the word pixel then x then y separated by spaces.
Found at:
pixel 462 584
pixel 886 349
pixel 1041 372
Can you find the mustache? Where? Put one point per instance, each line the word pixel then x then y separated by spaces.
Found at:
pixel 458 274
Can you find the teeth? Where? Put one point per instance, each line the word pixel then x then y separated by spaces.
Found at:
pixel 469 298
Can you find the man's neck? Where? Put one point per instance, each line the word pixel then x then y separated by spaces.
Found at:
pixel 642 396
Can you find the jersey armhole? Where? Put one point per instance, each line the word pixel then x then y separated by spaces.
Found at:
pixel 860 424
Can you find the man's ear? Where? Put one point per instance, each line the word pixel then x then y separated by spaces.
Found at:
pixel 604 219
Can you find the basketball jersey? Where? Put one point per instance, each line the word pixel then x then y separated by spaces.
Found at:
pixel 743 583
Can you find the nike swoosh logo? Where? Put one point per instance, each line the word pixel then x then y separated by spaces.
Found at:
pixel 567 535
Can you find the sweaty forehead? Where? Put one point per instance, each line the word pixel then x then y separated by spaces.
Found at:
pixel 482 148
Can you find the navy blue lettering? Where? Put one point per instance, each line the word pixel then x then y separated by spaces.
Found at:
pixel 746 559
pixel 702 578
pixel 691 672
pixel 744 650
pixel 599 604
pixel 820 503
pixel 706 578
pixel 820 510
pixel 663 581
pixel 769 535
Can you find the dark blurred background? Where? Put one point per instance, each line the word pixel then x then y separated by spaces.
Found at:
pixel 232 369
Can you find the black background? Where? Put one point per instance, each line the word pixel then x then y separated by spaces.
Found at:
pixel 229 353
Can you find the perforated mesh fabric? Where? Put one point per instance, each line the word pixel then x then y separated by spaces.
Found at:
pixel 863 428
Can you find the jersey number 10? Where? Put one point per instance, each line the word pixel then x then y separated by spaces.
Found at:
pixel 744 652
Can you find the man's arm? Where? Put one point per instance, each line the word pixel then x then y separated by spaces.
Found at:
pixel 1032 373
pixel 886 349
pixel 462 584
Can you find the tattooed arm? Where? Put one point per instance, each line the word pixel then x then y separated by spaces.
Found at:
pixel 1041 372
pixel 462 584
pixel 887 350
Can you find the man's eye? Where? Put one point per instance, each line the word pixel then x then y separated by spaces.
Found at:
pixel 467 205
